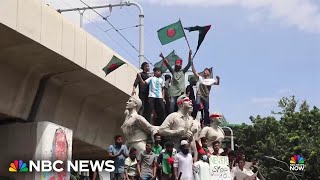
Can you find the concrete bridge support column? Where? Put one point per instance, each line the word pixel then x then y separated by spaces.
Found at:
pixel 34 141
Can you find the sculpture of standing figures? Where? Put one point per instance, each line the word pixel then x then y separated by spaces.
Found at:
pixel 214 132
pixel 135 127
pixel 179 125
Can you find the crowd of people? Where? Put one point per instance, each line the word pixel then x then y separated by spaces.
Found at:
pixel 160 160
pixel 168 163
pixel 159 96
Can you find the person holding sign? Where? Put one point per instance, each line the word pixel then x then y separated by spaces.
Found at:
pixel 219 168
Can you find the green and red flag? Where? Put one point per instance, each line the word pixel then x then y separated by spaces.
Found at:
pixel 172 57
pixel 171 33
pixel 202 32
pixel 113 65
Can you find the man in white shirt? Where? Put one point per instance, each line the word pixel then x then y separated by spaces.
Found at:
pixel 240 173
pixel 203 91
pixel 202 168
pixel 183 162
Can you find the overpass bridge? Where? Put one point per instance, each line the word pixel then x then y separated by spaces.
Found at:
pixel 51 78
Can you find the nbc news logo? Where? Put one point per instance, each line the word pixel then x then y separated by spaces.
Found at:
pixel 297 163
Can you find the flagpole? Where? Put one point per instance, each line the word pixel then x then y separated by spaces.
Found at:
pixel 195 54
pixel 184 34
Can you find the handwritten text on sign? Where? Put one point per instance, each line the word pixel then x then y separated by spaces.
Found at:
pixel 219 168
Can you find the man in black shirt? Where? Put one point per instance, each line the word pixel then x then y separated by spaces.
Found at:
pixel 143 91
pixel 190 94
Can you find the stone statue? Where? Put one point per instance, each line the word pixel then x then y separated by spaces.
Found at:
pixel 179 125
pixel 214 132
pixel 135 127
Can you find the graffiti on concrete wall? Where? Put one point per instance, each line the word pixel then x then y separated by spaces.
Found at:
pixel 56 145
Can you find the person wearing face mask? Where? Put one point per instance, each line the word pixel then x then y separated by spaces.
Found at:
pixel 202 168
pixel 183 162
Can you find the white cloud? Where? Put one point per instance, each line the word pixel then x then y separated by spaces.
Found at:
pixel 285 92
pixel 302 14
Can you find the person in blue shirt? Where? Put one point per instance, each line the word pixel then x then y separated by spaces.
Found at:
pixel 118 152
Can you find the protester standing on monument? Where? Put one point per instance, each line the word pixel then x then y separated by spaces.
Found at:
pixel 147 161
pixel 156 96
pixel 143 91
pixel 165 162
pixel 167 88
pixel 118 152
pixel 131 167
pixel 183 162
pixel 203 91
pixel 191 95
pixel 178 80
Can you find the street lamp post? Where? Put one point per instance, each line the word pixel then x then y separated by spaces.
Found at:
pixel 231 138
pixel 127 3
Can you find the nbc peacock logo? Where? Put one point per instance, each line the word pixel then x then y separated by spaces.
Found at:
pixel 18 166
pixel 297 163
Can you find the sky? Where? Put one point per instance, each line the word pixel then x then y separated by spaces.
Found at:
pixel 262 50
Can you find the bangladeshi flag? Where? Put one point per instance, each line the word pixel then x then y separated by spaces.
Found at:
pixel 113 64
pixel 172 57
pixel 171 33
pixel 202 32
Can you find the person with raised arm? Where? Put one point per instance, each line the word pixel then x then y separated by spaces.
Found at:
pixel 203 90
pixel 178 80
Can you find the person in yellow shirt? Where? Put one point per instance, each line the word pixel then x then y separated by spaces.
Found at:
pixel 131 167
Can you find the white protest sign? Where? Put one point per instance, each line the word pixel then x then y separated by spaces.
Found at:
pixel 219 168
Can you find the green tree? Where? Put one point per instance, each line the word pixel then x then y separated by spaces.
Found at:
pixel 296 132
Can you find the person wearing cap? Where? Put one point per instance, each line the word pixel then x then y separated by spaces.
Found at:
pixel 178 80
pixel 143 91
pixel 156 94
pixel 203 91
pixel 183 162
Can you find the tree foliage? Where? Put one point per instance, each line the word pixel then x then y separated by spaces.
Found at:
pixel 296 132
